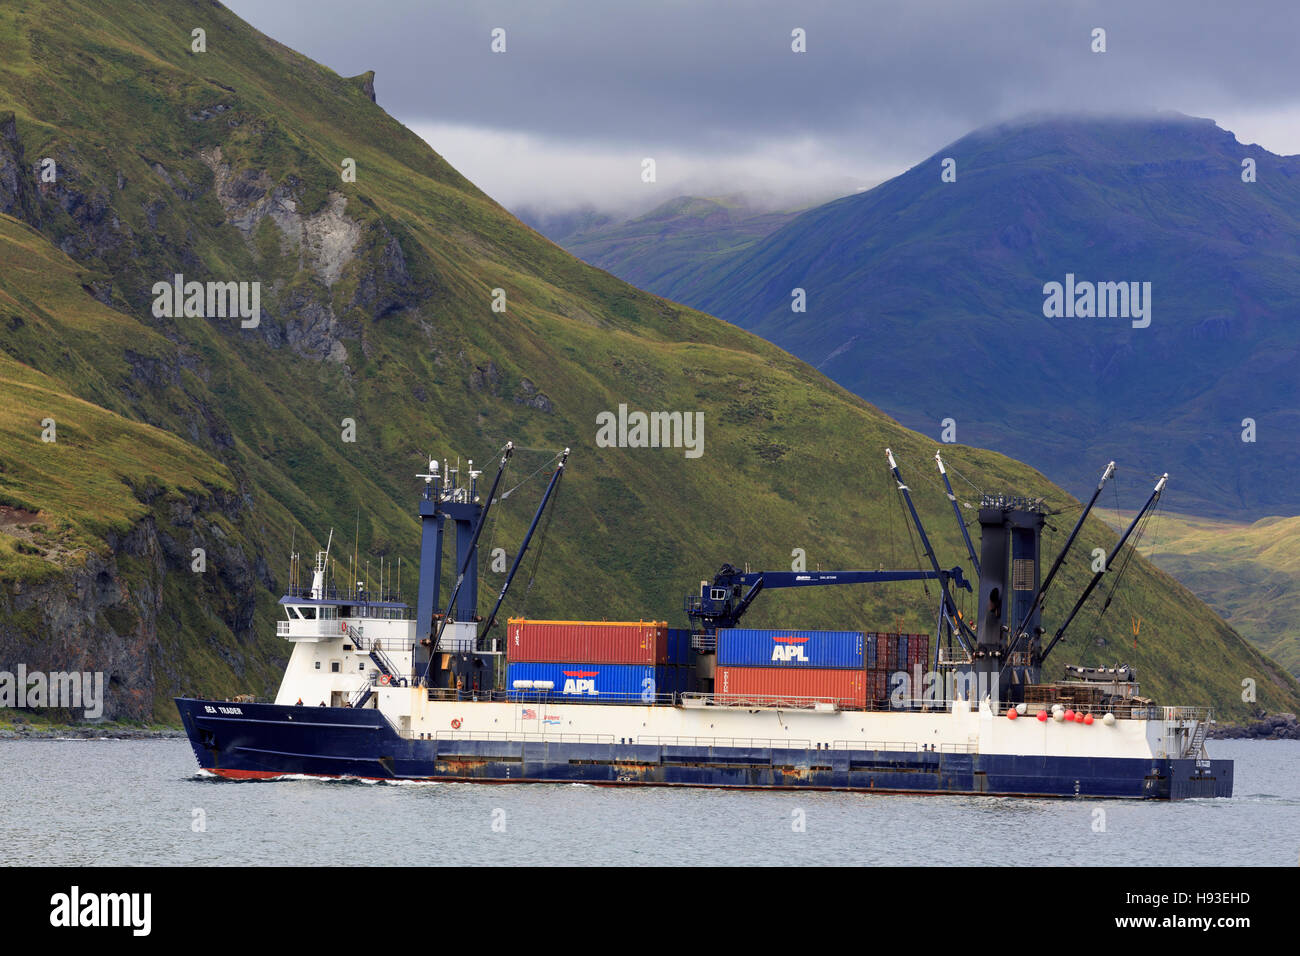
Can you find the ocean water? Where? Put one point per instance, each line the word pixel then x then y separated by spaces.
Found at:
pixel 120 802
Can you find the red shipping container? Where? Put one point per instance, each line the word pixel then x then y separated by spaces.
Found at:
pixel 591 642
pixel 918 649
pixel 847 687
pixel 890 662
pixel 877 684
pixel 884 683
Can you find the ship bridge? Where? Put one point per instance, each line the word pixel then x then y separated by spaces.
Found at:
pixel 310 618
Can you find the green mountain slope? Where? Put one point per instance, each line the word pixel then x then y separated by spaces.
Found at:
pixel 377 308
pixel 1249 573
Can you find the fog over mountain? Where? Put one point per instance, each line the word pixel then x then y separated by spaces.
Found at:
pixel 714 93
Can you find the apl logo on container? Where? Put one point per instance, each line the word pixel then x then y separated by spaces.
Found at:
pixel 788 649
pixel 581 682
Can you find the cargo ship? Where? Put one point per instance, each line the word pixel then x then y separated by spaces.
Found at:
pixel 376 690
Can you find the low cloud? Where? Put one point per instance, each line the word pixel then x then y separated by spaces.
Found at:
pixel 712 90
pixel 549 174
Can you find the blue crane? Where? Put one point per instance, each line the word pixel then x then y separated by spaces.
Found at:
pixel 724 601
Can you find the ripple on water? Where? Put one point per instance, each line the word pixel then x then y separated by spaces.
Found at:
pixel 134 801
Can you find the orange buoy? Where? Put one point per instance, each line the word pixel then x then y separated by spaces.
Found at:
pixel 1011 714
pixel 1087 719
pixel 1069 715
pixel 1042 716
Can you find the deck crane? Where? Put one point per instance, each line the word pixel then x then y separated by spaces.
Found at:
pixel 965 636
pixel 1040 596
pixel 961 522
pixel 1096 578
pixel 722 602
pixel 523 548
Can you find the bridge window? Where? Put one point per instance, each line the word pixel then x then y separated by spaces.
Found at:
pixel 308 612
pixel 335 667
pixel 318 665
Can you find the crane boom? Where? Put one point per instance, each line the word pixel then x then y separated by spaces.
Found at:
pixel 724 601
pixel 1096 578
pixel 965 535
pixel 963 629
pixel 523 548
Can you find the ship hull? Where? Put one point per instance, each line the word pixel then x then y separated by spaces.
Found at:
pixel 264 741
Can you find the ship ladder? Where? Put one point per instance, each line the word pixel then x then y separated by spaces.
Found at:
pixel 1196 746
pixel 383 661
pixel 363 695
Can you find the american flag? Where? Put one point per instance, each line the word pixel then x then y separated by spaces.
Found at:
pixel 530 714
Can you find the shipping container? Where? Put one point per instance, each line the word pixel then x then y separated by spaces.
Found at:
pixel 918 649
pixel 881 688
pixel 597 642
pixel 887 652
pixel 679 646
pixel 690 679
pixel 871 650
pixel 847 687
pixel 767 647
pixel 683 678
pixel 595 682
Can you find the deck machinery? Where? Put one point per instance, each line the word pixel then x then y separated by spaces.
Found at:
pixel 1002 655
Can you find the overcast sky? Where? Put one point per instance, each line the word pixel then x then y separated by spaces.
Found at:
pixel 713 92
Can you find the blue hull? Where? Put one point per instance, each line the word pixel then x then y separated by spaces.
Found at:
pixel 252 741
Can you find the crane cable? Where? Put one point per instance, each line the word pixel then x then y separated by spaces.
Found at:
pixel 911 537
pixel 493 518
pixel 1138 534
pixel 541 543
pixel 978 490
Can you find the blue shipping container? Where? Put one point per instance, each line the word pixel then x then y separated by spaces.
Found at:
pixel 686 679
pixel 630 682
pixel 679 646
pixel 750 647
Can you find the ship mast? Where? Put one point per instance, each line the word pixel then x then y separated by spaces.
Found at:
pixel 1036 604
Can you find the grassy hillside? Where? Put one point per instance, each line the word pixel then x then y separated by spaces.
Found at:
pixel 377 299
pixel 1249 573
